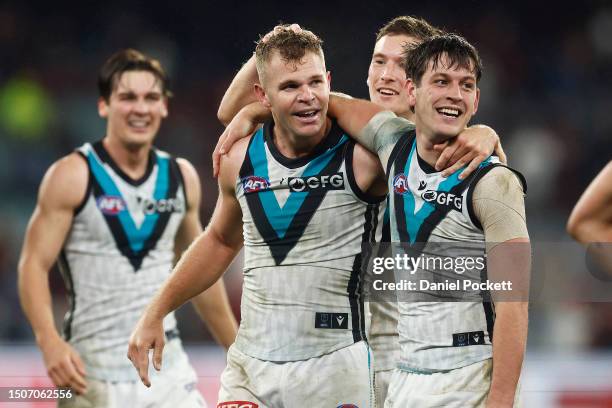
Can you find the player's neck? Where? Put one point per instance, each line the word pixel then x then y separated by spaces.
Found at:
pixel 425 144
pixel 293 146
pixel 132 160
pixel 407 115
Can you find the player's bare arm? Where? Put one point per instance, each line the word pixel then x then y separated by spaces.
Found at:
pixel 198 269
pixel 591 218
pixel 369 174
pixel 377 130
pixel 499 206
pixel 61 192
pixel 212 305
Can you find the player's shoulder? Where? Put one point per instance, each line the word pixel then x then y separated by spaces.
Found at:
pixel 362 157
pixel 231 162
pixel 499 181
pixel 66 181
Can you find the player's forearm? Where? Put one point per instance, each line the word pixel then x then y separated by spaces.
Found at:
pixel 213 307
pixel 353 115
pixel 240 92
pixel 590 230
pixel 509 340
pixel 197 270
pixel 35 298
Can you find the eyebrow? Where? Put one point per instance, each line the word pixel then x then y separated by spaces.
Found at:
pixel 292 81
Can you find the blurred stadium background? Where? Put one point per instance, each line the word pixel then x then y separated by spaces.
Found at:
pixel 546 89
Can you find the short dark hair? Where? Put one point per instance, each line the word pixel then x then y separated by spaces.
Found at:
pixel 292 46
pixel 129 60
pixel 460 52
pixel 411 26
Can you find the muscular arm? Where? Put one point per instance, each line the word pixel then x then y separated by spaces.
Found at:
pixel 591 218
pixel 240 92
pixel 212 305
pixel 60 193
pixel 498 205
pixel 198 269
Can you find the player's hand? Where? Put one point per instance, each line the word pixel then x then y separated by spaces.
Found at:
pixel 473 146
pixel 148 334
pixel 64 365
pixel 240 127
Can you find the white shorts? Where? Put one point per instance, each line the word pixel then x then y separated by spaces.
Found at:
pixel 337 379
pixel 382 379
pixel 465 387
pixel 173 387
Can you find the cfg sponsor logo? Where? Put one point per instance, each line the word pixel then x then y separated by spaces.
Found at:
pixel 318 182
pixel 444 199
pixel 400 184
pixel 164 205
pixel 237 404
pixel 111 205
pixel 253 184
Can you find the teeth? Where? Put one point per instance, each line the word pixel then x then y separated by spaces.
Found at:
pixel 449 111
pixel 306 114
pixel 138 123
pixel 388 92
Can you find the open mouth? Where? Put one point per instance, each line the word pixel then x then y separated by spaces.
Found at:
pixel 307 114
pixel 138 123
pixel 450 112
pixel 387 91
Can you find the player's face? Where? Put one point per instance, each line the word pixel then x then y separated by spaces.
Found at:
pixel 445 101
pixel 135 108
pixel 297 94
pixel 386 76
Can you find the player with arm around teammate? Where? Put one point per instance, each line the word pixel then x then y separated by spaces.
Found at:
pixel 303 197
pixel 115 214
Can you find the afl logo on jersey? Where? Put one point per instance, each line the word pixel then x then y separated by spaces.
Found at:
pixel 253 184
pixel 400 184
pixel 111 205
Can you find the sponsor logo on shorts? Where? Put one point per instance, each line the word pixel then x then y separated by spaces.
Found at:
pixel 468 339
pixel 318 182
pixel 450 200
pixel 237 404
pixel 111 205
pixel 400 184
pixel 253 184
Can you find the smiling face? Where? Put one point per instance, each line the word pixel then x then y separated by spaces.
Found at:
pixel 386 75
pixel 297 93
pixel 445 100
pixel 135 109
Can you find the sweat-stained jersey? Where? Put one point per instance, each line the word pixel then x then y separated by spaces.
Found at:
pixel 119 251
pixel 304 223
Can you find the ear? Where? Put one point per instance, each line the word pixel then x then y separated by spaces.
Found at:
pixel 411 91
pixel 261 95
pixel 102 108
pixel 164 108
pixel 476 100
pixel 329 80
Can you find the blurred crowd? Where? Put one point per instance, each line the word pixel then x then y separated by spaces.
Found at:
pixel 545 89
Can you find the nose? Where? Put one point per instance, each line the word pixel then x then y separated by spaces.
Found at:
pixel 306 94
pixel 454 92
pixel 141 106
pixel 391 72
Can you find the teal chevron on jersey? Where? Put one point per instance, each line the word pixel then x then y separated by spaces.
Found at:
pixel 137 236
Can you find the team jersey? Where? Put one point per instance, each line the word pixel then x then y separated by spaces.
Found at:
pixel 304 223
pixel 429 211
pixel 119 251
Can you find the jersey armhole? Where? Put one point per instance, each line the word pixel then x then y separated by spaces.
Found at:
pixel 350 175
pixel 81 205
pixel 179 174
pixel 479 175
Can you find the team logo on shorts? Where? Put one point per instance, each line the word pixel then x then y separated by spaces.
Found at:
pixel 237 404
pixel 400 184
pixel 111 205
pixel 253 184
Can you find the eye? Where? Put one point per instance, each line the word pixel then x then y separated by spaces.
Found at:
pixel 441 82
pixel 316 82
pixel 378 61
pixel 469 86
pixel 154 97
